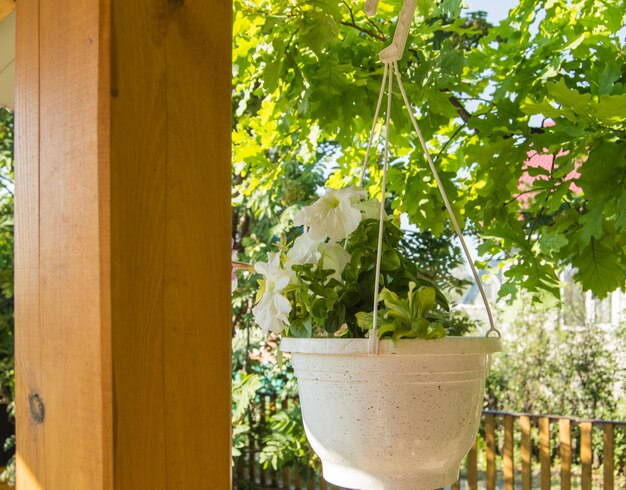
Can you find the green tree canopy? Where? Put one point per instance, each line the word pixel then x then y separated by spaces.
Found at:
pixel 549 79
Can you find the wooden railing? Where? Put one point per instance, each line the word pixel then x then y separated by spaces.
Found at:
pixel 512 450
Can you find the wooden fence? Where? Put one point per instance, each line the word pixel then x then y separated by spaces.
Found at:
pixel 579 459
pixel 512 450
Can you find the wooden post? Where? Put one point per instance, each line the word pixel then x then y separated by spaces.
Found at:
pixel 123 237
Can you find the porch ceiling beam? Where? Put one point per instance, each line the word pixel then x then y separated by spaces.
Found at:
pixel 6 7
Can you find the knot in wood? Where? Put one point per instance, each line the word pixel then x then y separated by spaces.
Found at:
pixel 37 409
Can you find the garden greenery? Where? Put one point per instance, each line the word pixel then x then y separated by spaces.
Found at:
pixel 548 80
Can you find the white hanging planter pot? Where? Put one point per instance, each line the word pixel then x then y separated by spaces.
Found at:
pixel 402 419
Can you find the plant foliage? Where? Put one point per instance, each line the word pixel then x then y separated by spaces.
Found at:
pixel 549 79
pixel 324 304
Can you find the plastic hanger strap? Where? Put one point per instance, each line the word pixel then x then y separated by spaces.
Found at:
pixel 455 224
pixel 391 69
pixel 373 131
pixel 373 343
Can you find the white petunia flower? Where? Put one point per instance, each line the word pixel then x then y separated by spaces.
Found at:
pixel 304 251
pixel 370 209
pixel 335 258
pixel 334 215
pixel 271 313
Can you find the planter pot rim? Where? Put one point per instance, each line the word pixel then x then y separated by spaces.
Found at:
pixel 447 346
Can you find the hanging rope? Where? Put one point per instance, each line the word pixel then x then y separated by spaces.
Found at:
pixel 391 69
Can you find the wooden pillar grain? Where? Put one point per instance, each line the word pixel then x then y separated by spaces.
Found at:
pixel 123 238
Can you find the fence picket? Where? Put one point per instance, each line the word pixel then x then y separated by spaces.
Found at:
pixel 490 440
pixel 240 468
pixel 509 468
pixel 251 449
pixel 263 421
pixel 310 480
pixel 608 462
pixel 527 482
pixel 585 454
pixel 472 468
pixel 322 483
pixel 272 411
pixel 544 452
pixel 298 478
pixel 286 477
pixel 565 452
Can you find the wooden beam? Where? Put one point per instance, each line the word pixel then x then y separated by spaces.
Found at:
pixel 123 244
